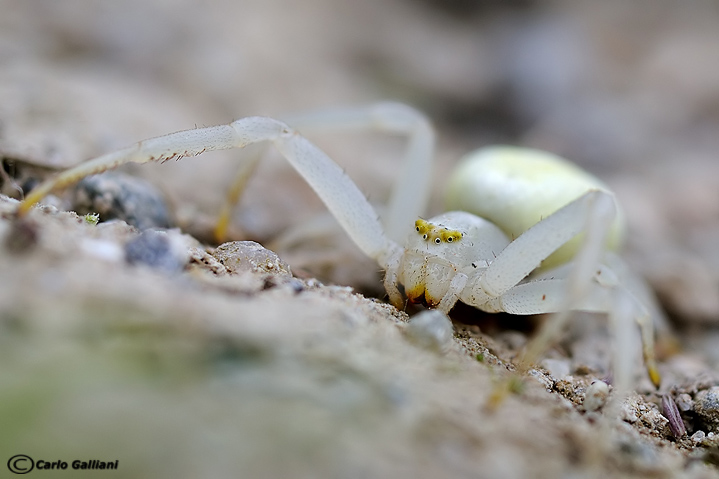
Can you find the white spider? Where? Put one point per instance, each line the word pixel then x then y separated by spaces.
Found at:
pixel 520 208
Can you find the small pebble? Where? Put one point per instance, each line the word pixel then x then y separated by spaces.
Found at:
pixel 154 249
pixel 116 195
pixel 698 436
pixel 706 407
pixel 596 396
pixel 239 256
pixel 684 402
pixel 296 285
pixel 431 329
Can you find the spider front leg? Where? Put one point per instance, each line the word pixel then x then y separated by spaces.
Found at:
pixel 410 193
pixel 412 188
pixel 338 192
pixel 546 296
pixel 498 288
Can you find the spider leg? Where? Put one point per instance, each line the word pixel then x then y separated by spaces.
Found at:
pixel 339 193
pixel 392 265
pixel 548 296
pixel 410 193
pixel 162 148
pixel 411 190
pixel 244 173
pixel 456 286
pixel 582 272
pixel 592 212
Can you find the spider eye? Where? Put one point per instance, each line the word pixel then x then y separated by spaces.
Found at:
pixel 437 240
pixel 450 236
pixel 422 227
pixel 424 236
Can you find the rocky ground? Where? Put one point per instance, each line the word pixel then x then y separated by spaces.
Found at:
pixel 179 357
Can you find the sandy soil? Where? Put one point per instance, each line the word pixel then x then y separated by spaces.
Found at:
pixel 179 359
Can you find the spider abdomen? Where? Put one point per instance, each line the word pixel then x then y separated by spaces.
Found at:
pixel 516 187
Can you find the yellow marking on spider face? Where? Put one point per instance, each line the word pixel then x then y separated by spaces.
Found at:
pixel 450 236
pixel 423 227
pixel 436 234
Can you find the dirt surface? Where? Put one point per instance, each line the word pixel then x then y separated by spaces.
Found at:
pixel 179 358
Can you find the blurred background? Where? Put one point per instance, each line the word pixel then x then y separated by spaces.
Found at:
pixel 630 91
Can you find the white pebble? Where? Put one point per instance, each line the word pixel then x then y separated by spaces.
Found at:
pixel 684 402
pixel 431 329
pixel 596 396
